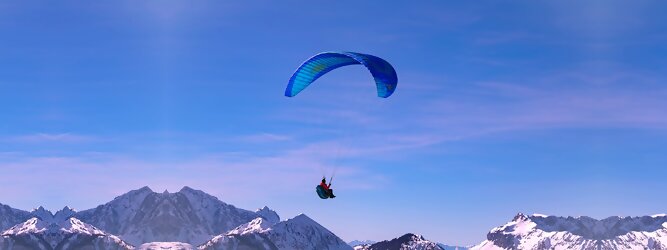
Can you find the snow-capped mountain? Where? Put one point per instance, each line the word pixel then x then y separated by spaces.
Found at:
pixel 366 244
pixel 160 221
pixel 300 232
pixel 405 242
pixel 551 232
pixel 257 225
pixel 60 231
pixel 269 215
pixel 189 216
pixel 360 242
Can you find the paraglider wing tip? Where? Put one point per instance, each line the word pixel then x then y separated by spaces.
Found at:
pixel 288 93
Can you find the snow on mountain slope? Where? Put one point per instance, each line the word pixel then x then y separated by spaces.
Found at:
pixel 551 232
pixel 165 246
pixel 59 231
pixel 257 225
pixel 300 232
pixel 189 216
pixel 10 216
pixel 360 242
pixel 406 242
pixel 448 247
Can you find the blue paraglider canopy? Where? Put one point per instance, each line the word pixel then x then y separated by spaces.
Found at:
pixel 318 65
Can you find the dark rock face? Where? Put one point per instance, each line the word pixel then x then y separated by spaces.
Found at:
pixel 405 242
pixel 189 216
pixel 11 216
pixel 503 240
pixel 300 232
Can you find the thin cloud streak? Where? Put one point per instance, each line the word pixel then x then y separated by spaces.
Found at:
pixel 49 137
pixel 561 100
pixel 264 138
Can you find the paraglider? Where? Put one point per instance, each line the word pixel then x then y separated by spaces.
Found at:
pixel 383 73
pixel 324 190
pixel 318 65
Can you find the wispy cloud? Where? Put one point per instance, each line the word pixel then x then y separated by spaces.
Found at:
pixel 47 137
pixel 264 138
pixel 619 100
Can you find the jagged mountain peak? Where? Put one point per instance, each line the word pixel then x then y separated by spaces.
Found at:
pixel 257 225
pixel 409 237
pixel 190 216
pixel 542 231
pixel 58 233
pixel 46 215
pixel 264 209
pixel 269 215
pixel 41 213
pixel 133 195
pixel 520 217
pixel 64 213
pixel 303 219
pixel 39 209
pixel 196 194
pixel 142 190
pixel 361 242
pixel 188 189
pixel 300 232
pixel 406 241
pixel 594 228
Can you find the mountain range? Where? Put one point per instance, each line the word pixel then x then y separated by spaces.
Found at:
pixel 552 232
pixel 143 219
pixel 192 219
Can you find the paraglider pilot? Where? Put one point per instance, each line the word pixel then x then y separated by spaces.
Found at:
pixel 327 188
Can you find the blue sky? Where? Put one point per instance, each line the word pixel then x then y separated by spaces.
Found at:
pixel 536 107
